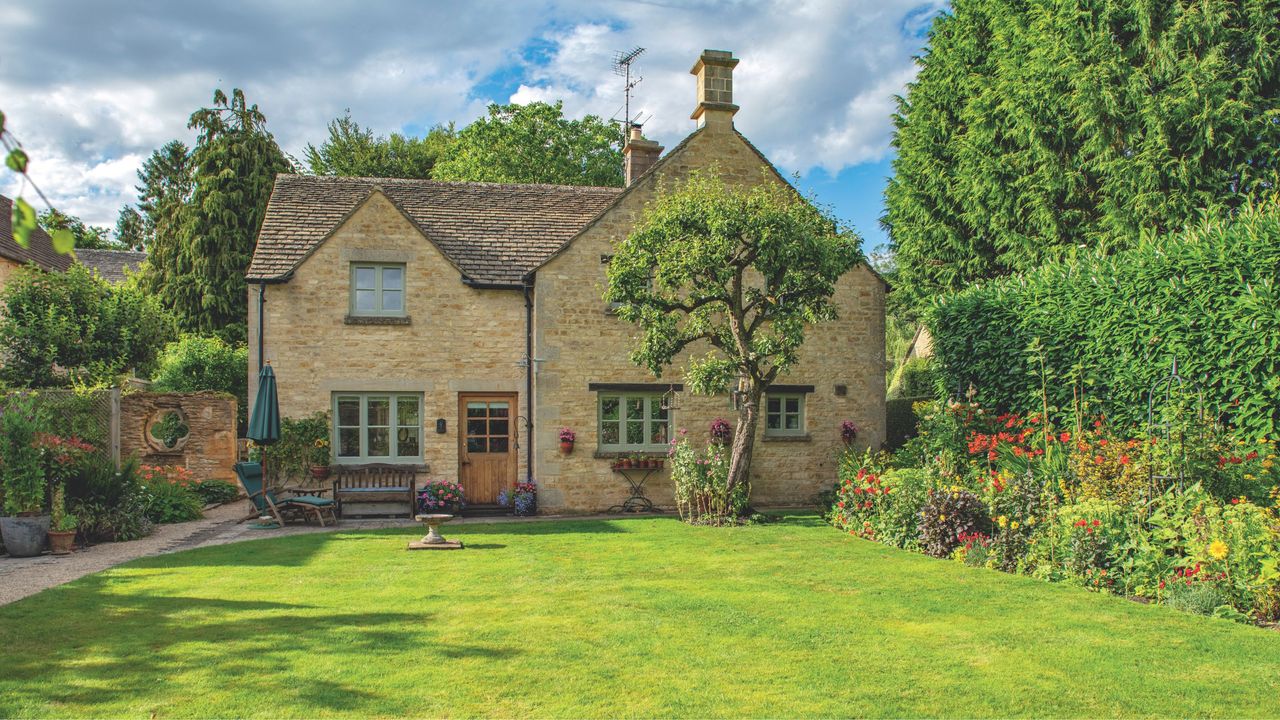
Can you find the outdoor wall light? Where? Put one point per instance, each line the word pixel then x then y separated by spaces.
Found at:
pixel 440 426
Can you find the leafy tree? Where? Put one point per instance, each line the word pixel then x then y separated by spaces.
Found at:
pixel 131 229
pixel 353 151
pixel 744 271
pixel 86 236
pixel 203 210
pixel 1036 128
pixel 61 328
pixel 196 363
pixel 534 143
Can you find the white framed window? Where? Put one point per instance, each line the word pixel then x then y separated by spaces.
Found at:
pixel 377 427
pixel 377 289
pixel 633 422
pixel 784 414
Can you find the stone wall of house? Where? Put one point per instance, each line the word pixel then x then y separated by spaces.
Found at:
pixel 7 269
pixel 457 338
pixel 580 342
pixel 208 450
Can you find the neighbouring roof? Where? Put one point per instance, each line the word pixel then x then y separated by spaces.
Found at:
pixel 494 233
pixel 111 264
pixel 40 249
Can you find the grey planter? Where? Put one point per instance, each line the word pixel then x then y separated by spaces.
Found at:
pixel 25 536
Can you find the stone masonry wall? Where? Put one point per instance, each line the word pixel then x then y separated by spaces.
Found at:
pixel 459 339
pixel 208 451
pixel 580 342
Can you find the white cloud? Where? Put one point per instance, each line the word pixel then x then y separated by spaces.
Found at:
pixel 815 82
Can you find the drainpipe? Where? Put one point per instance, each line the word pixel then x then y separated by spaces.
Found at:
pixel 262 300
pixel 528 377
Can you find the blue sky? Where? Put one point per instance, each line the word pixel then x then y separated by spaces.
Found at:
pixel 815 84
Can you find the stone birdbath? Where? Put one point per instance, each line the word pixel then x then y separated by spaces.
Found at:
pixel 433 540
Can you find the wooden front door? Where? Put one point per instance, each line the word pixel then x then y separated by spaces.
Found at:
pixel 487 445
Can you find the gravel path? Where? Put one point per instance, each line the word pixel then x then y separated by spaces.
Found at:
pixel 21 577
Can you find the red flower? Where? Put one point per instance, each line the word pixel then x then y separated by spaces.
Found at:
pixel 1099 460
pixel 1097 423
pixel 1235 501
pixel 1064 437
pixel 1124 459
pixel 1102 442
pixel 1097 523
pixel 1252 456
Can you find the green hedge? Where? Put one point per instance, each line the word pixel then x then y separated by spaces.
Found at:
pixel 1110 325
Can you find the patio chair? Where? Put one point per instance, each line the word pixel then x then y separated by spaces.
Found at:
pixel 265 502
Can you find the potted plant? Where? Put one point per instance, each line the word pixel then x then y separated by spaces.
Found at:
pixel 566 440
pixel 441 496
pixel 524 499
pixel 62 530
pixel 318 458
pixel 624 462
pixel 25 528
pixel 721 431
pixel 848 432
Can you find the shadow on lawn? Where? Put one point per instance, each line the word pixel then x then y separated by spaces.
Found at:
pixel 256 654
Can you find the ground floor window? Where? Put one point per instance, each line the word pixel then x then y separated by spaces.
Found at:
pixel 373 426
pixel 784 414
pixel 634 422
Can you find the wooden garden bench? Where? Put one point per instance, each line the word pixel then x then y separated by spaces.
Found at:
pixel 376 490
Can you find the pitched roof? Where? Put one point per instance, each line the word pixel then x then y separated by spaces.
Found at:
pixel 39 251
pixel 111 264
pixel 494 233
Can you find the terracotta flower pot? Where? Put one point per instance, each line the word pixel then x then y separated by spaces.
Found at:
pixel 320 472
pixel 566 446
pixel 62 543
pixel 624 463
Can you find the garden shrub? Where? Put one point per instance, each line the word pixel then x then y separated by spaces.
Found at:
pixel 290 459
pixel 917 378
pixel 948 514
pixel 110 504
pixel 60 329
pixel 169 494
pixel 21 474
pixel 1112 323
pixel 213 492
pixel 195 363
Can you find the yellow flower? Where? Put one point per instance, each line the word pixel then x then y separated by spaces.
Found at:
pixel 1218 550
pixel 1014 524
pixel 1002 520
pixel 942 518
pixel 1248 476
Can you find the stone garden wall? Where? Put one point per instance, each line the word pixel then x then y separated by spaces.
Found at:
pixel 196 431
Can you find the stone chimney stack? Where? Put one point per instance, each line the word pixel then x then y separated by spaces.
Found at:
pixel 639 154
pixel 714 71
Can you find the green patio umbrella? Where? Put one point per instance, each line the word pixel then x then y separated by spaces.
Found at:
pixel 264 423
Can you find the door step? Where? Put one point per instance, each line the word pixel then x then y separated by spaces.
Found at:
pixel 486 511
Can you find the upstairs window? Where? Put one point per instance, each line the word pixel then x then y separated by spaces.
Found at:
pixel 377 289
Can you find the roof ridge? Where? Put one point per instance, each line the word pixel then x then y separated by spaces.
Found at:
pixel 362 179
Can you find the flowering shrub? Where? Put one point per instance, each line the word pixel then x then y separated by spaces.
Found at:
pixel 61 456
pixel 700 483
pixel 974 550
pixel 441 496
pixel 947 514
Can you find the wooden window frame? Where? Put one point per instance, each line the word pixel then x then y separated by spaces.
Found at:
pixel 394 428
pixel 652 401
pixel 782 430
pixel 378 290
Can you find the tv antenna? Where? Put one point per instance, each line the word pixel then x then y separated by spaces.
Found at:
pixel 622 62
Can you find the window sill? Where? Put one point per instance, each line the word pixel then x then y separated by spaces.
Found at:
pixel 615 454
pixel 376 320
pixel 788 438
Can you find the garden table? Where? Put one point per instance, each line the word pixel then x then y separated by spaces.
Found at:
pixel 637 502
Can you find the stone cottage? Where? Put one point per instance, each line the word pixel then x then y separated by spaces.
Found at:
pixel 460 326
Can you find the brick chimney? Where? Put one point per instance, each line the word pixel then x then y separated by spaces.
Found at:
pixel 639 155
pixel 714 71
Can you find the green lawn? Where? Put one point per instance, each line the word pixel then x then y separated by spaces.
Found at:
pixel 636 617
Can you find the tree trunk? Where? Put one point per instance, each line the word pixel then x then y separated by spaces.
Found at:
pixel 744 440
